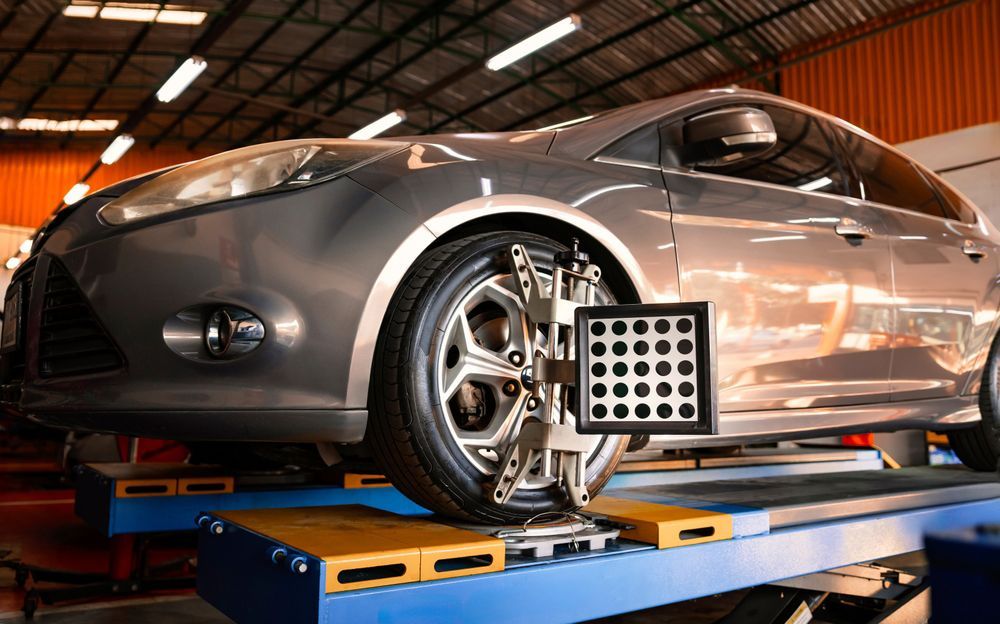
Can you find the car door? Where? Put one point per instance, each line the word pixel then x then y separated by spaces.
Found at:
pixel 944 268
pixel 799 272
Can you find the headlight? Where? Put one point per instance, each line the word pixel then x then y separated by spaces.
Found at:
pixel 245 171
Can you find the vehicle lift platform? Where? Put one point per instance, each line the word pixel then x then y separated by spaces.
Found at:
pixel 676 541
pixel 670 527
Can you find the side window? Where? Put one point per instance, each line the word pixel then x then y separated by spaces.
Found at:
pixel 888 178
pixel 804 156
pixel 953 204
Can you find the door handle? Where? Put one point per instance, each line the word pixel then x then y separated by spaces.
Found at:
pixel 973 251
pixel 852 230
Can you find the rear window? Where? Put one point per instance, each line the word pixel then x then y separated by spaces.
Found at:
pixel 888 178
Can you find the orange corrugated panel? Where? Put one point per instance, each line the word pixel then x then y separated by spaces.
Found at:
pixel 934 75
pixel 33 181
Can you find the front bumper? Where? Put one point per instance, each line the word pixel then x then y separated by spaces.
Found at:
pixel 292 259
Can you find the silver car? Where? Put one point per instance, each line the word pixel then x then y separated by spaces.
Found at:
pixel 339 292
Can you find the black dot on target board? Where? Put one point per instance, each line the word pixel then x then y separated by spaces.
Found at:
pixel 598 328
pixel 620 369
pixel 686 410
pixel 621 410
pixel 663 368
pixel 621 390
pixel 663 389
pixel 641 347
pixel 662 326
pixel 662 347
pixel 640 327
pixel 641 369
pixel 619 348
pixel 641 389
pixel 685 346
pixel 619 328
pixel 686 389
pixel 684 325
pixel 685 368
pixel 599 349
pixel 663 410
pixel 598 370
pixel 642 410
pixel 599 411
pixel 599 390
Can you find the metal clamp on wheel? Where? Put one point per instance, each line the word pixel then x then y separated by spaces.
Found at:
pixel 637 369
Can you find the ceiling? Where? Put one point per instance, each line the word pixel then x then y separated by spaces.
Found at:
pixel 289 68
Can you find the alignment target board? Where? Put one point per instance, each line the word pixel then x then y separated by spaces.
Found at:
pixel 646 369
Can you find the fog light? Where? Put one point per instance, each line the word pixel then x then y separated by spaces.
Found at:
pixel 231 332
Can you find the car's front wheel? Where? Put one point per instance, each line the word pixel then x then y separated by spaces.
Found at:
pixel 449 385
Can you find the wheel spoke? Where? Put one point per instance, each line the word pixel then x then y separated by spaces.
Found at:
pixel 519 336
pixel 474 362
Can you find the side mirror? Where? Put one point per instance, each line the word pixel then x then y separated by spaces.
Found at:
pixel 726 135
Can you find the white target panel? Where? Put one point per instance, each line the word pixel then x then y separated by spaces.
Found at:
pixel 646 369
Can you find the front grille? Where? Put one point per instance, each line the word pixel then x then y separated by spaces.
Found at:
pixel 12 363
pixel 71 340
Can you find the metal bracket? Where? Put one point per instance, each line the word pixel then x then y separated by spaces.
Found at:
pixel 550 441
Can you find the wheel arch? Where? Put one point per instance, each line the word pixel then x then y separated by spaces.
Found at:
pixel 534 215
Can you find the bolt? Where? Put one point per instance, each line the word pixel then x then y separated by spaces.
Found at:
pixel 533 404
pixel 510 388
pixel 299 565
pixel 216 528
pixel 515 357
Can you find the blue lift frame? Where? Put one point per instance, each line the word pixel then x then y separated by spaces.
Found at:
pixel 98 506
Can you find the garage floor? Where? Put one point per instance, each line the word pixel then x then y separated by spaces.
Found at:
pixel 38 526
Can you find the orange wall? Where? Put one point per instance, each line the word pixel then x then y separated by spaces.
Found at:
pixel 33 181
pixel 933 75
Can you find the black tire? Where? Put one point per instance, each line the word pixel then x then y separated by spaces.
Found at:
pixel 979 447
pixel 407 431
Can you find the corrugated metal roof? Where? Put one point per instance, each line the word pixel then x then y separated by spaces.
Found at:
pixel 681 44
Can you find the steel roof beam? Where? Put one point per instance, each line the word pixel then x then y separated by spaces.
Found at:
pixel 234 66
pixel 316 45
pixel 429 46
pixel 670 58
pixel 408 25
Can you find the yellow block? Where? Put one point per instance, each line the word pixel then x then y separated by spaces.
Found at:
pixel 205 485
pixel 664 526
pixel 364 547
pixel 135 488
pixel 354 481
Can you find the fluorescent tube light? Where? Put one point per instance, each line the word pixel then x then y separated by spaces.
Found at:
pixel 81 10
pixel 75 194
pixel 13 262
pixel 380 125
pixel 181 16
pixel 36 124
pixel 117 149
pixel 535 42
pixel 181 78
pixel 128 14
pixel 26 245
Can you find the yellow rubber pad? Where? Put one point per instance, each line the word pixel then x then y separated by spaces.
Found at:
pixel 364 547
pixel 136 488
pixel 192 486
pixel 353 481
pixel 664 526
